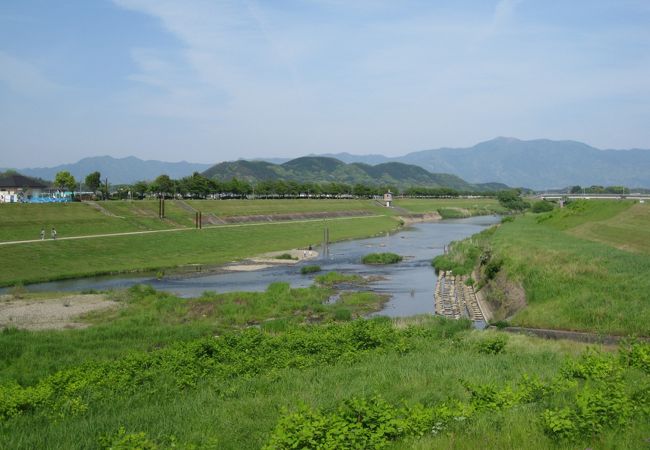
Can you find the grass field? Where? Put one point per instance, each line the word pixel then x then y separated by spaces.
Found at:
pixel 228 208
pixel 453 207
pixel 164 372
pixel 572 267
pixel 628 230
pixel 51 260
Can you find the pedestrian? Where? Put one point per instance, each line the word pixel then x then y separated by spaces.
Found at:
pixel 53 233
pixel 42 234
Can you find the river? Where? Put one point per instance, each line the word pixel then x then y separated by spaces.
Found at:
pixel 410 284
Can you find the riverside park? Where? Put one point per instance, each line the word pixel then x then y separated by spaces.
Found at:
pixel 317 358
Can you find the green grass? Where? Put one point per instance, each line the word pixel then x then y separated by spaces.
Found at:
pixel 260 207
pixel 148 320
pixel 67 259
pixel 574 283
pixel 186 395
pixel 24 221
pixel 452 207
pixel 310 269
pixel 628 230
pixel 336 278
pixel 381 258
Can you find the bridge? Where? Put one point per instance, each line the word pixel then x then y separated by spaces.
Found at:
pixel 554 196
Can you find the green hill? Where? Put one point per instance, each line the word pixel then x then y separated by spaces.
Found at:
pixel 318 169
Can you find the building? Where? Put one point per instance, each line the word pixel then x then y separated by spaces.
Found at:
pixel 388 197
pixel 19 188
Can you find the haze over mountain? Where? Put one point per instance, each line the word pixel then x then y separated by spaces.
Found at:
pixel 320 169
pixel 118 170
pixel 538 164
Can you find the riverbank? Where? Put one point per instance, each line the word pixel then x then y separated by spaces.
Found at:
pixel 581 268
pixel 65 259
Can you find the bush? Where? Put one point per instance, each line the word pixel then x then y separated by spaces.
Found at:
pixel 542 206
pixel 309 269
pixel 492 345
pixel 381 258
pixel 285 256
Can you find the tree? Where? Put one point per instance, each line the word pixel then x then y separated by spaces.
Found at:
pixel 510 199
pixel 65 180
pixel 164 184
pixel 93 181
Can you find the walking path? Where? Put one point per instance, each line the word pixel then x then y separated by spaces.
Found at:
pixel 171 230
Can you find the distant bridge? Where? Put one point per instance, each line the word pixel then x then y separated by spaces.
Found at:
pixel 594 196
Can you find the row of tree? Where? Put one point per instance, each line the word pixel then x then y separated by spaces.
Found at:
pixel 198 186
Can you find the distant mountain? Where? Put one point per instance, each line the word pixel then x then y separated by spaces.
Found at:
pixel 538 164
pixel 119 170
pixel 321 169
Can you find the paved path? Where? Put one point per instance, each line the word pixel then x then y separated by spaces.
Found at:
pixel 171 230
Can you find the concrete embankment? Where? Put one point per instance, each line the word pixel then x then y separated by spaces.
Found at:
pixel 454 298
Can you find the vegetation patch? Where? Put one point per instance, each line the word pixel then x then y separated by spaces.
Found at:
pixel 309 269
pixel 381 258
pixel 286 256
pixel 336 278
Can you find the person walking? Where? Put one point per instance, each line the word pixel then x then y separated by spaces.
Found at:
pixel 42 234
pixel 53 233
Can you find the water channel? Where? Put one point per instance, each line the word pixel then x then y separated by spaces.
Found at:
pixel 410 284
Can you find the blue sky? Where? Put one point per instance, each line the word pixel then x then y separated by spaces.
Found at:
pixel 213 80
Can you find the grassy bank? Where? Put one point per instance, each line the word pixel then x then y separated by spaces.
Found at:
pixel 176 374
pixel 452 208
pixel 227 208
pixel 24 221
pixel 566 269
pixel 75 258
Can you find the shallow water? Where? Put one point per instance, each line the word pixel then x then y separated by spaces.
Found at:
pixel 410 284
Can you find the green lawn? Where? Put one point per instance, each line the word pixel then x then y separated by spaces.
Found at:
pixel 66 259
pixel 628 230
pixel 452 207
pixel 24 221
pixel 575 283
pixel 259 207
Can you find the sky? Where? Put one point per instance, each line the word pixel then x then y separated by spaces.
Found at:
pixel 214 80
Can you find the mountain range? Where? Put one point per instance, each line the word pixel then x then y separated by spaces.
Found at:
pixel 321 169
pixel 538 164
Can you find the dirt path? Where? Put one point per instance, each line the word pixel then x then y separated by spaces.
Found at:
pixel 50 313
pixel 172 230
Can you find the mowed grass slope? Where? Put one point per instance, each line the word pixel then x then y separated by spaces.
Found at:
pixel 228 208
pixel 452 207
pixel 52 260
pixel 575 283
pixel 628 230
pixel 24 221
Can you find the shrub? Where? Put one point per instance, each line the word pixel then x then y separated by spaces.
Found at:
pixel 285 256
pixel 492 345
pixel 309 269
pixel 542 206
pixel 381 258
